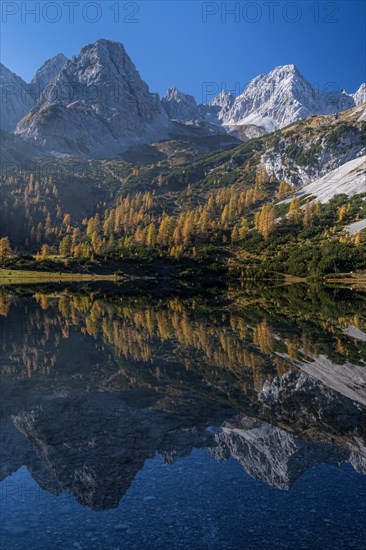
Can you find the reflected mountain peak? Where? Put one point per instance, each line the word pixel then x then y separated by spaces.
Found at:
pixel 94 385
pixel 272 455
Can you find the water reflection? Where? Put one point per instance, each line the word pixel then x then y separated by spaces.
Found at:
pixel 95 384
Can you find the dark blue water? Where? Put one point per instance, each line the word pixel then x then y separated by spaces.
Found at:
pixel 194 503
pixel 154 425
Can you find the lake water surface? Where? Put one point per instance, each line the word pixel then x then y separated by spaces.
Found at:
pixel 224 421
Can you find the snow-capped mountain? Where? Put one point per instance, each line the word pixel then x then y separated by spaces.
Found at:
pixel 97 105
pixel 17 99
pixel 47 72
pixel 283 96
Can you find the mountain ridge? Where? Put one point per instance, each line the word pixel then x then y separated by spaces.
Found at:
pixel 104 105
pixel 96 104
pixel 272 101
pixel 47 72
pixel 16 98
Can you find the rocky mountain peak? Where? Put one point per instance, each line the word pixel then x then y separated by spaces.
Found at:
pixel 47 72
pixel 97 105
pixel 224 99
pixel 103 56
pixel 283 96
pixel 174 93
pixel 180 106
pixel 290 69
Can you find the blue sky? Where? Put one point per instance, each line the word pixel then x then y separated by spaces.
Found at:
pixel 200 47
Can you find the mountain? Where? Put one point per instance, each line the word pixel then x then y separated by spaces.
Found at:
pixel 224 102
pixel 360 96
pixel 15 151
pixel 323 152
pixel 268 103
pixel 271 454
pixel 17 99
pixel 283 96
pixel 98 105
pixel 218 107
pixel 311 148
pixel 183 107
pixel 180 106
pixel 47 72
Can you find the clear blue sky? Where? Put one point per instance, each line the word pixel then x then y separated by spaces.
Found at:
pixel 190 43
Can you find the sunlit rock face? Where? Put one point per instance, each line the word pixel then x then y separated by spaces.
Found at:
pixel 96 105
pixel 180 106
pixel 360 96
pixel 46 73
pixel 283 96
pixel 16 99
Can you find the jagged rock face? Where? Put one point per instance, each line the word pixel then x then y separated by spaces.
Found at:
pixel 47 73
pixel 17 99
pixel 268 103
pixel 223 103
pixel 97 105
pixel 94 445
pixel 283 96
pixel 180 106
pixel 225 100
pixel 324 152
pixel 313 399
pixel 271 454
pixel 360 96
pixel 183 107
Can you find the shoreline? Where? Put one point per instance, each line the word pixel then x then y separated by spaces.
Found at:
pixel 19 276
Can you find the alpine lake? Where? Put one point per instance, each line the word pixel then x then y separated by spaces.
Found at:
pixel 192 420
